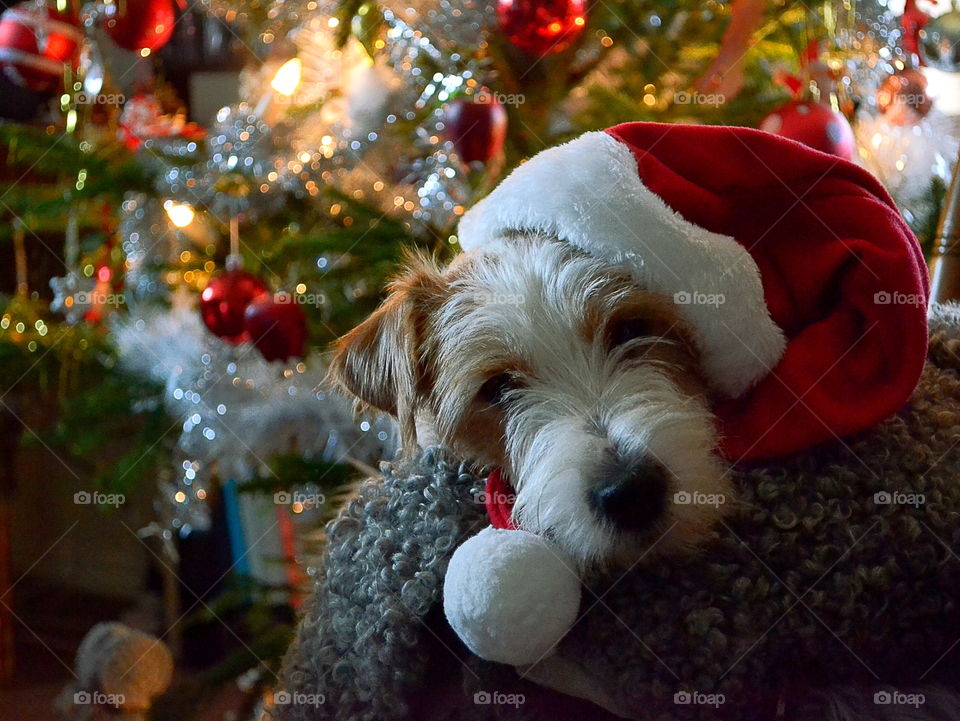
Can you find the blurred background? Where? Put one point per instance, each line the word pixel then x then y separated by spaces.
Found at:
pixel 197 197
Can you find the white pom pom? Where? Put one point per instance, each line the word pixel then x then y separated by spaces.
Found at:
pixel 511 595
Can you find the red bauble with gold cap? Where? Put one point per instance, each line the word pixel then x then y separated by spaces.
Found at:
pixel 140 25
pixel 816 125
pixel 541 27
pixel 477 126
pixel 224 300
pixel 277 326
pixel 903 99
pixel 37 43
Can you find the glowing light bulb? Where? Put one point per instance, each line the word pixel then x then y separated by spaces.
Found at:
pixel 180 214
pixel 288 77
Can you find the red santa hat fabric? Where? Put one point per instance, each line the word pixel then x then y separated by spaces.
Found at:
pixel 805 288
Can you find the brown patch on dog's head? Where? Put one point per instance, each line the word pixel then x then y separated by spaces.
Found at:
pixel 381 362
pixel 646 314
pixel 624 312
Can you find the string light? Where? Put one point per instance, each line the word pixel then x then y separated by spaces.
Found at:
pixel 180 214
pixel 287 78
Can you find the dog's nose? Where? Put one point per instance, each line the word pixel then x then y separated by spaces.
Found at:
pixel 635 500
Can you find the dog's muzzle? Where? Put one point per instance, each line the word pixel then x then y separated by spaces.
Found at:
pixel 631 496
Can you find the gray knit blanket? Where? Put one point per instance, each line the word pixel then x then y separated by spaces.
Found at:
pixel 831 593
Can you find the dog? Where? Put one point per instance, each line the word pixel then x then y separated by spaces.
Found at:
pixel 640 309
pixel 558 368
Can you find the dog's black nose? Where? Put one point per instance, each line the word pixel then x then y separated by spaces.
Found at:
pixel 634 498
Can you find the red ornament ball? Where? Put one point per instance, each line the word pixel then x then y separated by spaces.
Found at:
pixel 277 326
pixel 224 300
pixel 814 124
pixel 36 44
pixel 476 126
pixel 541 27
pixel 902 98
pixel 141 24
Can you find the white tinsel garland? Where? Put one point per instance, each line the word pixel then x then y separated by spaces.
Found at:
pixel 237 410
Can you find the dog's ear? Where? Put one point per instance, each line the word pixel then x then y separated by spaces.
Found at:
pixel 380 362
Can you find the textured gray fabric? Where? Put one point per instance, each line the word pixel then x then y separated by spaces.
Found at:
pixel 811 585
pixel 360 641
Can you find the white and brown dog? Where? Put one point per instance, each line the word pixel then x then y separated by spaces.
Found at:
pixel 584 387
pixel 614 358
pixel 579 346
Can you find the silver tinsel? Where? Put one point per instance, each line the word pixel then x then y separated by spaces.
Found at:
pixel 344 106
pixel 237 410
pixel 439 176
pixel 428 49
pixel 158 154
pixel 338 111
pixel 239 144
pixel 148 243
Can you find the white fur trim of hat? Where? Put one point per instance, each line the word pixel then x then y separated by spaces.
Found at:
pixel 588 192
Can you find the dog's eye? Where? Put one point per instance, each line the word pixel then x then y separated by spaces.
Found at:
pixel 494 389
pixel 629 329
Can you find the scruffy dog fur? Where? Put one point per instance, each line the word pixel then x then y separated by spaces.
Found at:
pixel 556 367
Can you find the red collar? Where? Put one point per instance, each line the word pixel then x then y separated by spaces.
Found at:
pixel 499 499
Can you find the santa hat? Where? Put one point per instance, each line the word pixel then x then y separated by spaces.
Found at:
pixel 804 287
